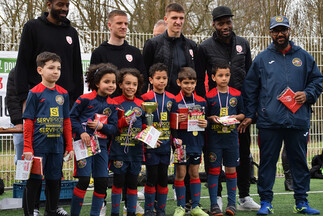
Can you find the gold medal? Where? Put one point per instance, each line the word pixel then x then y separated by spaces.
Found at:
pixel 195 133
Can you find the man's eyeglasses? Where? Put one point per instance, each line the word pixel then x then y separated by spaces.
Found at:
pixel 275 32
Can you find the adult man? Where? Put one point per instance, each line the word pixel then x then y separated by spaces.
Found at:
pixel 51 32
pixel 282 66
pixel 159 27
pixel 171 47
pixel 225 45
pixel 117 50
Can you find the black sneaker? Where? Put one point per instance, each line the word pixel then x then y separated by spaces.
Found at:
pixel 149 213
pixel 216 211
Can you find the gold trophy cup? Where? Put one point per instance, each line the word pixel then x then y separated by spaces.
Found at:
pixel 149 108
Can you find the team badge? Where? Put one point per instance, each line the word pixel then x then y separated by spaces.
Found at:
pixel 169 105
pixel 59 99
pixel 212 157
pixel 137 111
pixel 129 57
pixel 239 48
pixel 279 19
pixel 81 163
pixel 233 102
pixel 297 62
pixel 69 39
pixel 118 164
pixel 107 111
pixel 191 53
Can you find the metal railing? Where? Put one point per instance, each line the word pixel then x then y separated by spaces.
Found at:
pixel 9 41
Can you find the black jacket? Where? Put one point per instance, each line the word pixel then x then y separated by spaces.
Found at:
pixel 12 100
pixel 40 35
pixel 212 49
pixel 163 48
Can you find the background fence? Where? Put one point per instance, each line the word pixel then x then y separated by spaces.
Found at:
pixel 9 41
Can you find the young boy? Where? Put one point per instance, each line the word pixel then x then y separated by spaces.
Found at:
pixel 47 132
pixel 223 140
pixel 193 140
pixel 158 159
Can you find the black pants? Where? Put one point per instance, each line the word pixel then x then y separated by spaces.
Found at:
pixel 243 170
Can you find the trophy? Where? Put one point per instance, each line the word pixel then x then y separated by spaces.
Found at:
pixel 149 108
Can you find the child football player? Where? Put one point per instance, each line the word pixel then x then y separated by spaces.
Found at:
pixel 223 139
pixel 158 159
pixel 193 140
pixel 47 133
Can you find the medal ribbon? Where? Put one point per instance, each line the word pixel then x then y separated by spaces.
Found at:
pixel 184 99
pixel 158 114
pixel 219 98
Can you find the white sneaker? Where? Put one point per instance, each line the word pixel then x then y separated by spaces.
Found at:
pixel 247 204
pixel 139 210
pixel 36 212
pixel 175 197
pixel 103 210
pixel 141 194
pixel 219 202
pixel 124 213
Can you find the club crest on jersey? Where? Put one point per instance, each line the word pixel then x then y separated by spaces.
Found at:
pixel 297 62
pixel 118 164
pixel 191 52
pixel 81 163
pixel 212 157
pixel 107 111
pixel 129 57
pixel 69 39
pixel 169 105
pixel 239 48
pixel 137 111
pixel 59 99
pixel 233 102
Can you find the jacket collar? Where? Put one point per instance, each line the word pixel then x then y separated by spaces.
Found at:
pixel 165 35
pixel 292 50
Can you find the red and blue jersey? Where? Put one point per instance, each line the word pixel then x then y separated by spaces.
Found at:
pixel 227 104
pixel 161 118
pixel 125 147
pixel 194 141
pixel 47 108
pixel 85 108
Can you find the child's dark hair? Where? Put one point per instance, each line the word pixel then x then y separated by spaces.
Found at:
pixel 220 64
pixel 186 73
pixel 95 73
pixel 134 72
pixel 44 57
pixel 157 67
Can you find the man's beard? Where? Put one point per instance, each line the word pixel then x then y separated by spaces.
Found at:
pixel 56 15
pixel 283 45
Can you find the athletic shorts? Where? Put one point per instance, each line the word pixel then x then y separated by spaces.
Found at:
pixel 230 157
pixel 155 158
pixel 123 167
pixel 193 159
pixel 52 166
pixel 97 165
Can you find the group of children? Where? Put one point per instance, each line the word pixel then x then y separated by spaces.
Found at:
pixel 116 122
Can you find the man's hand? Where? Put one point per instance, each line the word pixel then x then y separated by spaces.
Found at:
pixel 300 97
pixel 244 124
